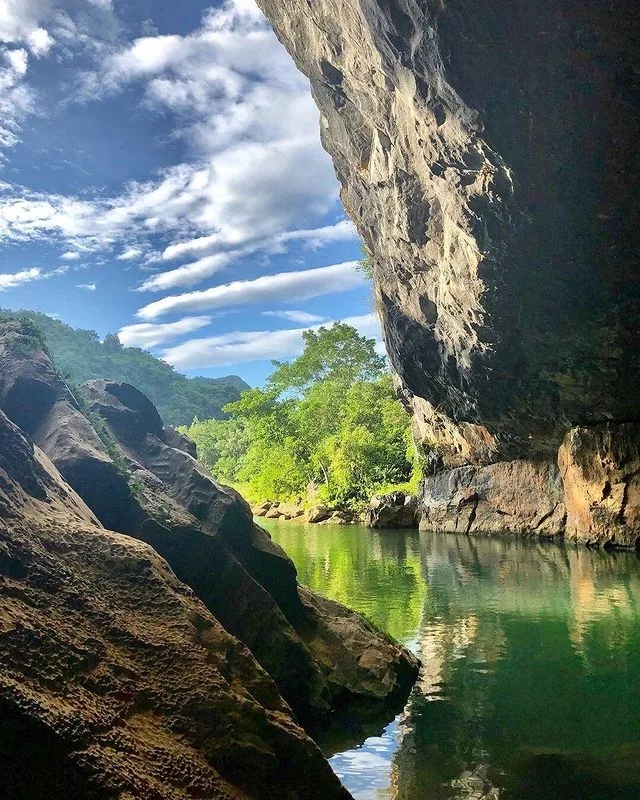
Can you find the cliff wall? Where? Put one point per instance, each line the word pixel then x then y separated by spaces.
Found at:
pixel 487 154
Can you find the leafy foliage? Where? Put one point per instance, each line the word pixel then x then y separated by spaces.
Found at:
pixel 329 420
pixel 81 356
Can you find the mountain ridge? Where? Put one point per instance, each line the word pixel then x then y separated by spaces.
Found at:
pixel 80 356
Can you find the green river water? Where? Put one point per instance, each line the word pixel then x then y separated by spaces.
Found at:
pixel 530 686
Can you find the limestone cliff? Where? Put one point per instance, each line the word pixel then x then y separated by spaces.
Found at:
pixel 487 154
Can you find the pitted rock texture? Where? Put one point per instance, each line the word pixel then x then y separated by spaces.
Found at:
pixel 115 680
pixel 600 468
pixel 487 154
pixel 523 497
pixel 138 484
pixel 319 662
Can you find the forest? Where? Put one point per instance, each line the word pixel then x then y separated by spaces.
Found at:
pixel 325 426
pixel 80 356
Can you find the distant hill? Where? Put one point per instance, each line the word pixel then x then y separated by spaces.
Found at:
pixel 81 356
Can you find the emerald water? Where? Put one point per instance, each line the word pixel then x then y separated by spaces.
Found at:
pixel 530 685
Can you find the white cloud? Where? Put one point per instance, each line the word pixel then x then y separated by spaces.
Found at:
pixel 9 280
pixel 33 28
pixel 147 334
pixel 70 255
pixel 90 287
pixel 130 254
pixel 193 272
pixel 258 174
pixel 40 42
pixel 283 286
pixel 243 346
pixel 294 316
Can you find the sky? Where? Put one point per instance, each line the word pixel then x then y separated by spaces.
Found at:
pixel 161 176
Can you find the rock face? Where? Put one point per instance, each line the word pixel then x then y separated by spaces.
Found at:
pixel 601 472
pixel 136 482
pixel 487 155
pixel 115 680
pixel 523 497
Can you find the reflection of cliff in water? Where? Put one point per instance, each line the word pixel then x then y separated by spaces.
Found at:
pixel 531 679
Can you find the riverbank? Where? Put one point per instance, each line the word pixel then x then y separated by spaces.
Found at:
pixel 392 510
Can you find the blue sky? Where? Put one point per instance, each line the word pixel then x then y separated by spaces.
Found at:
pixel 161 175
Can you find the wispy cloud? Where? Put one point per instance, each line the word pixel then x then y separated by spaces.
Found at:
pixel 9 280
pixel 254 183
pixel 147 334
pixel 245 346
pixel 89 287
pixel 268 289
pixel 31 29
pixel 294 316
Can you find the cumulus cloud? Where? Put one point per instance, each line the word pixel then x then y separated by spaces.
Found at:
pixel 255 180
pixel 283 286
pixel 294 316
pixel 70 255
pixel 147 334
pixel 243 346
pixel 130 254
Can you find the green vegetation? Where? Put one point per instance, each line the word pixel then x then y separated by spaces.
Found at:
pixel 327 423
pixel 81 356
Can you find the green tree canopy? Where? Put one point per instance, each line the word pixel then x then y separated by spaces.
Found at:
pixel 329 419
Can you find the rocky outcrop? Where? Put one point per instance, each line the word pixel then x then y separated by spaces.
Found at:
pixel 601 472
pixel 486 153
pixel 395 510
pixel 115 680
pixel 161 495
pixel 524 497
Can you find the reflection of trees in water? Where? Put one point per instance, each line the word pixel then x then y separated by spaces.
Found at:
pixel 531 655
pixel 377 573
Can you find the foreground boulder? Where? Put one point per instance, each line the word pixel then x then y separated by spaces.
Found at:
pixel 115 680
pixel 138 484
pixel 487 155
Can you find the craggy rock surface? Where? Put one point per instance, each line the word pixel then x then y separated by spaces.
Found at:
pixel 393 510
pixel 523 497
pixel 487 154
pixel 301 648
pixel 115 680
pixel 138 484
pixel 601 472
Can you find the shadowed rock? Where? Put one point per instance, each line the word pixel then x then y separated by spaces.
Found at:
pixel 488 156
pixel 115 680
pixel 205 531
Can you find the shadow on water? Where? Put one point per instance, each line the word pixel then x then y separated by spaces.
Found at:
pixel 530 687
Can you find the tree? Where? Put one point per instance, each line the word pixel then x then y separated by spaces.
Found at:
pixel 336 354
pixel 330 417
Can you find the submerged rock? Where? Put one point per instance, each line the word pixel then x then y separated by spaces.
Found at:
pixel 115 679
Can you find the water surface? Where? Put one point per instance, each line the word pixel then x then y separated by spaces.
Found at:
pixel 530 687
